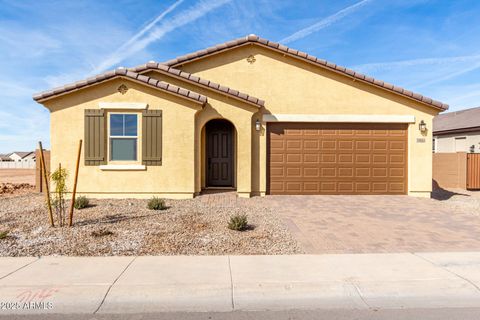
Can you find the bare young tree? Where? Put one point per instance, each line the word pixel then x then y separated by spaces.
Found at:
pixel 59 178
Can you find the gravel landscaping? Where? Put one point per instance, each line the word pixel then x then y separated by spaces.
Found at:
pixel 459 199
pixel 127 227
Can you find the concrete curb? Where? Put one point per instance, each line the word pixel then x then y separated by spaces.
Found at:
pixel 247 283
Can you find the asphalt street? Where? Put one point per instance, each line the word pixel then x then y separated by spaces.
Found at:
pixel 335 314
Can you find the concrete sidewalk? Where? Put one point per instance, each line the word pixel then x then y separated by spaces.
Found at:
pixel 225 283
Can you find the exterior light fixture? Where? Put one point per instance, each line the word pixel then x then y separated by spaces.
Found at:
pixel 258 125
pixel 422 126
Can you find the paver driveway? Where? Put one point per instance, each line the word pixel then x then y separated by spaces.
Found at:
pixel 359 224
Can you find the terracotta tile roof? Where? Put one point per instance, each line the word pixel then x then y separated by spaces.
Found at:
pixel 203 82
pixel 309 58
pixel 457 121
pixel 121 72
pixel 22 154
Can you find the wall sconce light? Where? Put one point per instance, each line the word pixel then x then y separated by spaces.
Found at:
pixel 258 125
pixel 422 126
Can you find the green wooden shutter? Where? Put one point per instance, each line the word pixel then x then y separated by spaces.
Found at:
pixel 95 151
pixel 152 137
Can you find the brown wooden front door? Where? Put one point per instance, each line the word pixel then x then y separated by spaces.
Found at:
pixel 219 162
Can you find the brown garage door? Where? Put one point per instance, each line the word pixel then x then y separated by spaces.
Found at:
pixel 333 158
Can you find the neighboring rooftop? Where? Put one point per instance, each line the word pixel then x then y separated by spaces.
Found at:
pixel 5 157
pixel 21 154
pixel 458 121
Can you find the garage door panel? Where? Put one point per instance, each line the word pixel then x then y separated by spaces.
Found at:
pixel 294 172
pixel 329 145
pixel 345 158
pixel 311 145
pixel 345 187
pixel 277 172
pixel 397 145
pixel 380 145
pixel 331 158
pixel 397 186
pixel 345 172
pixel 379 173
pixel 363 145
pixel 311 158
pixel 311 132
pixel 363 187
pixel 277 158
pixel 277 144
pixel 294 145
pixel 328 158
pixel 311 172
pixel 345 132
pixel 380 159
pixel 397 159
pixel 380 187
pixel 293 158
pixel 328 172
pixel 363 158
pixel 344 145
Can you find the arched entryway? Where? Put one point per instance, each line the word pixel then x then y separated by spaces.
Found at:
pixel 219 154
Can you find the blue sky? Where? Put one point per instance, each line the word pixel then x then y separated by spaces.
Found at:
pixel 428 46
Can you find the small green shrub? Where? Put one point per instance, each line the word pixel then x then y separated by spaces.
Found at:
pixel 238 222
pixel 81 202
pixel 156 204
pixel 3 234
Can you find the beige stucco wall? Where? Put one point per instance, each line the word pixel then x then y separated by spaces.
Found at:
pixel 174 178
pixel 447 143
pixel 289 85
pixel 241 115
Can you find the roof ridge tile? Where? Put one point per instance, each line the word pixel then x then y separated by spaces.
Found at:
pixel 302 55
pixel 120 72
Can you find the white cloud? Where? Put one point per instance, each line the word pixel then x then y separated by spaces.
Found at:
pixel 12 89
pixel 380 66
pixel 324 23
pixel 15 40
pixel 422 73
pixel 154 34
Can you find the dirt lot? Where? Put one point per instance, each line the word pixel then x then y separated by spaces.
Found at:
pixel 197 226
pixel 17 176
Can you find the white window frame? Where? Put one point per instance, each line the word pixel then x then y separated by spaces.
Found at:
pixel 109 148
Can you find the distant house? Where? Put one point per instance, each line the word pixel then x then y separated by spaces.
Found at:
pixel 5 157
pixel 457 131
pixel 22 156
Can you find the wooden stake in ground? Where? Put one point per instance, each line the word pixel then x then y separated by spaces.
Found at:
pixel 45 177
pixel 70 222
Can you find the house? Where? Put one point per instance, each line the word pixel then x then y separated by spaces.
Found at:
pixel 22 156
pixel 249 115
pixel 457 131
pixel 5 157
